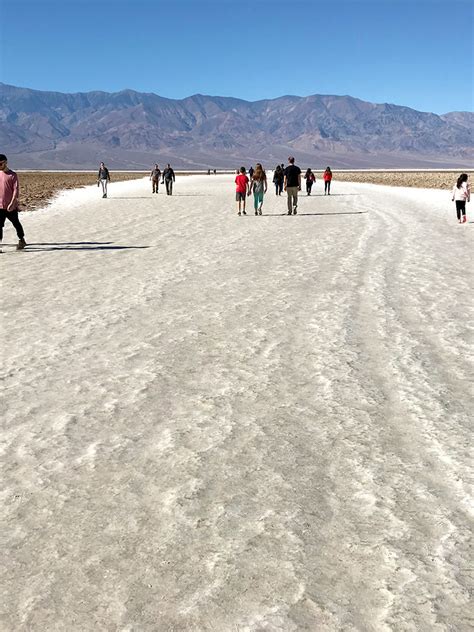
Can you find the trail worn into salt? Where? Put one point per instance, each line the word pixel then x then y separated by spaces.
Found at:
pixel 237 424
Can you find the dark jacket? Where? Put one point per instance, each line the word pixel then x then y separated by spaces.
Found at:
pixel 104 174
pixel 168 174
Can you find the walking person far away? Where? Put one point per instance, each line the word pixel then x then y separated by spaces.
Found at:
pixel 461 195
pixel 278 179
pixel 310 180
pixel 327 177
pixel 259 187
pixel 168 178
pixel 155 178
pixel 9 195
pixel 103 178
pixel 292 185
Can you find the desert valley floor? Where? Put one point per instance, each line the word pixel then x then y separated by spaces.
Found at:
pixel 237 424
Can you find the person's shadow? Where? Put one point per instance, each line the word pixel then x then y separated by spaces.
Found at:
pixel 78 245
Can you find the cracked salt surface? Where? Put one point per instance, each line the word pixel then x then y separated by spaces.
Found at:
pixel 223 423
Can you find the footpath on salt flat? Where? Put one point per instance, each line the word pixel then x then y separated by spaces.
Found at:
pixel 224 423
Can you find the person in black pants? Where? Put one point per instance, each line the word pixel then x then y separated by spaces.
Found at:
pixel 278 179
pixel 461 195
pixel 9 193
pixel 168 179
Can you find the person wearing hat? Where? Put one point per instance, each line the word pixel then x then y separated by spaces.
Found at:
pixel 9 194
pixel 292 185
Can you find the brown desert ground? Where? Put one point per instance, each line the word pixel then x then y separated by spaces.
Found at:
pixel 38 188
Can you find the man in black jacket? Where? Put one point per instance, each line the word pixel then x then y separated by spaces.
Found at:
pixel 168 179
pixel 103 178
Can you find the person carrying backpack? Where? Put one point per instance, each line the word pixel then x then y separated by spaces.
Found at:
pixel 278 179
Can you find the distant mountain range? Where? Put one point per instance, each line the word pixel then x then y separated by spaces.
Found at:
pixel 133 130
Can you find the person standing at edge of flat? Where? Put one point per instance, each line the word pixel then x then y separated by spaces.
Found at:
pixel 461 195
pixel 155 178
pixel 292 185
pixel 103 178
pixel 9 194
pixel 168 178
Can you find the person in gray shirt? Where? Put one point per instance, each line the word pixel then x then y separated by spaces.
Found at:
pixel 155 178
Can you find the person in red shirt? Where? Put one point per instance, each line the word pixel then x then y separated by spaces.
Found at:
pixel 9 193
pixel 327 177
pixel 241 191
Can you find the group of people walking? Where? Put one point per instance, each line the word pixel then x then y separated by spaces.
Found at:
pixel 167 178
pixel 285 179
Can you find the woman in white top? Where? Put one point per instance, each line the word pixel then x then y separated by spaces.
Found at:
pixel 461 195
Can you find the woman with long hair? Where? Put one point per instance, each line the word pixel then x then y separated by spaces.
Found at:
pixel 310 180
pixel 461 195
pixel 327 177
pixel 259 187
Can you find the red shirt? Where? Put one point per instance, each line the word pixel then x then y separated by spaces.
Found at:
pixel 8 189
pixel 241 181
pixel 327 176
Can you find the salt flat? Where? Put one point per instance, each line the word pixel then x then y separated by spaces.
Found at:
pixel 216 423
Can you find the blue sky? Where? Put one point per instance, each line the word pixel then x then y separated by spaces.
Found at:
pixel 408 52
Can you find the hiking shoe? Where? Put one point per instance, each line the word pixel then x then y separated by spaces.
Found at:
pixel 294 210
pixel 21 244
pixel 256 212
pixel 244 213
pixel 464 219
pixel 260 211
pixel 239 213
pixel 289 213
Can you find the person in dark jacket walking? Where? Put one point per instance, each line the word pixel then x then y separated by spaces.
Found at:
pixel 155 178
pixel 278 179
pixel 103 178
pixel 310 180
pixel 168 179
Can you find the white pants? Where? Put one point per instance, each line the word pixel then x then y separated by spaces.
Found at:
pixel 104 186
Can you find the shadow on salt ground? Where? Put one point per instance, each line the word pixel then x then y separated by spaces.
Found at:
pixel 80 245
pixel 147 197
pixel 285 214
